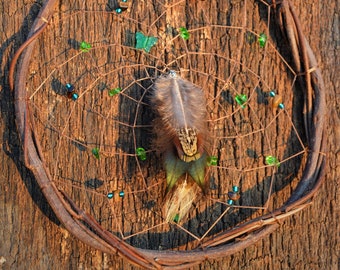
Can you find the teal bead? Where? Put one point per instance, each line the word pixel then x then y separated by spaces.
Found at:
pixel 235 189
pixel 110 195
pixel 230 202
pixel 272 93
pixel 281 106
pixel 118 10
pixel 69 87
pixel 121 194
pixel 75 96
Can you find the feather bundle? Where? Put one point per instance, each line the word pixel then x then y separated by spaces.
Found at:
pixel 181 128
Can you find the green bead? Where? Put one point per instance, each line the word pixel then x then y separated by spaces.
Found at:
pixel 145 42
pixel 262 40
pixel 95 152
pixel 212 160
pixel 114 91
pixel 241 99
pixel 84 46
pixel 184 33
pixel 141 153
pixel 271 160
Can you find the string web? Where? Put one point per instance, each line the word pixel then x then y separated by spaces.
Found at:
pixel 89 143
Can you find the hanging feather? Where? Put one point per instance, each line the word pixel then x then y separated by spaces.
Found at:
pixel 178 203
pixel 181 128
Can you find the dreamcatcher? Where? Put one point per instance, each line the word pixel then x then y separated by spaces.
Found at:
pixel 167 131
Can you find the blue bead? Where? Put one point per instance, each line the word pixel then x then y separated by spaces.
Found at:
pixel 272 93
pixel 121 194
pixel 118 10
pixel 231 202
pixel 110 195
pixel 69 87
pixel 281 106
pixel 75 96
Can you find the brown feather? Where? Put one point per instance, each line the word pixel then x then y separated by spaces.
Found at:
pixel 182 116
pixel 181 130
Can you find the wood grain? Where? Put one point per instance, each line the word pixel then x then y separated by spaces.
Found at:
pixel 32 238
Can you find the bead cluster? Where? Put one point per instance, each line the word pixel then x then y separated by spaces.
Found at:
pixel 122 7
pixel 276 101
pixel 71 92
pixel 233 195
pixel 111 195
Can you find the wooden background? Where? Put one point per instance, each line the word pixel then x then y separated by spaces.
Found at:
pixel 32 238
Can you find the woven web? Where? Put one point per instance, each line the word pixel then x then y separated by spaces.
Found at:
pixel 89 143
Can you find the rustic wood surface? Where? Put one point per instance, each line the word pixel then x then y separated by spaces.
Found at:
pixel 32 237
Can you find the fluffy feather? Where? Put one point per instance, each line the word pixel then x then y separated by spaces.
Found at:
pixel 179 202
pixel 181 128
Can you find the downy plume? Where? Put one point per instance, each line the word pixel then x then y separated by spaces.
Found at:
pixel 178 203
